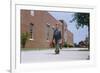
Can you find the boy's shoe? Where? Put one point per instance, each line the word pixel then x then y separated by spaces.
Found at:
pixel 57 51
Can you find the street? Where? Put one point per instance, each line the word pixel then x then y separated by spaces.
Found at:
pixel 48 55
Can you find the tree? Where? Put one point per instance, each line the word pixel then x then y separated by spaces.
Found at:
pixel 82 19
pixel 24 37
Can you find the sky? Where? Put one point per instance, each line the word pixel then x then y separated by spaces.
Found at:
pixel 78 34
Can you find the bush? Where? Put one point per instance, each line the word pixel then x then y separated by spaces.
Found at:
pixel 70 46
pixel 65 44
pixel 24 37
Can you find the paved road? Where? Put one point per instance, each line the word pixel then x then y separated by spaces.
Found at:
pixel 49 55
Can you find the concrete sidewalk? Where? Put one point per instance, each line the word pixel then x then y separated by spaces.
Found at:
pixel 49 55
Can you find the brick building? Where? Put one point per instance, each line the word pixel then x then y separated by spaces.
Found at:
pixel 67 36
pixel 40 26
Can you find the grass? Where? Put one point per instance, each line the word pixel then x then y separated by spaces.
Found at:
pixel 84 50
pixel 28 49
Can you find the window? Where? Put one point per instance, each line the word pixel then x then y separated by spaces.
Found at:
pixel 32 12
pixel 31 28
pixel 65 34
pixel 47 31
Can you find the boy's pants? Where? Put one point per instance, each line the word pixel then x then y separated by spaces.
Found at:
pixel 57 45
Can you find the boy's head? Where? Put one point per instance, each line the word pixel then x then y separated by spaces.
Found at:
pixel 57 25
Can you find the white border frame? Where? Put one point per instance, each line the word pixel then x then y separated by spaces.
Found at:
pixel 15 30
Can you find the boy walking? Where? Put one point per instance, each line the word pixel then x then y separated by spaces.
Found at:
pixel 57 38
